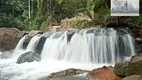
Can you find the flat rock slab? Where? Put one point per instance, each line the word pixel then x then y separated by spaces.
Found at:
pixel 68 72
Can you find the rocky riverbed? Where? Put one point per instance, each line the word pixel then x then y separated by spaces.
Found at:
pixel 129 70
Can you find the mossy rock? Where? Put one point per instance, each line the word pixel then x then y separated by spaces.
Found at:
pixel 134 68
pixel 128 68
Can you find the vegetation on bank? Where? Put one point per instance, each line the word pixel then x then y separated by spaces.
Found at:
pixel 40 14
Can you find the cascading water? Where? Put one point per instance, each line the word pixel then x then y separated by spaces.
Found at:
pixel 129 46
pixel 71 49
pixel 33 43
pixel 18 48
pixel 77 49
pixel 98 46
pixel 54 47
pixel 31 46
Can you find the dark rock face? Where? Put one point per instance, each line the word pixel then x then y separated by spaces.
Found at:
pixel 103 73
pixel 133 77
pixel 69 35
pixel 9 37
pixel 28 57
pixel 40 45
pixel 139 46
pixel 68 72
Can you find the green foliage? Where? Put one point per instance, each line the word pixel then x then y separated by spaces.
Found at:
pixel 39 14
pixel 70 8
pixel 136 20
pixel 15 13
pixel 94 5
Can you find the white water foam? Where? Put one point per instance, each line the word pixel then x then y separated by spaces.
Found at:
pixel 34 70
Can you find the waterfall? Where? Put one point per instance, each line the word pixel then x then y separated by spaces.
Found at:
pixel 54 47
pixel 85 46
pixel 128 43
pixel 85 49
pixel 31 46
pixel 89 46
pixel 18 48
pixel 33 43
pixel 77 49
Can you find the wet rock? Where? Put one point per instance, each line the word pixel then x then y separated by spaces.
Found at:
pixel 70 34
pixel 34 32
pixel 28 57
pixel 133 77
pixel 121 68
pixel 139 46
pixel 103 73
pixel 47 34
pixel 135 59
pixel 68 72
pixel 9 37
pixel 40 45
pixel 133 67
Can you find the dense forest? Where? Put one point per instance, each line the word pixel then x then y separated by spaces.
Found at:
pixel 39 14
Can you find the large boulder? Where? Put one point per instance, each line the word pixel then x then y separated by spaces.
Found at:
pixel 133 77
pixel 28 57
pixel 121 68
pixel 9 37
pixel 103 73
pixel 133 67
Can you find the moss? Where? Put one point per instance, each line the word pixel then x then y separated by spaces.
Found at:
pixel 134 68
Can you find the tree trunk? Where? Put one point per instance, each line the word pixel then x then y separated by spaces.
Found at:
pixel 29 9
